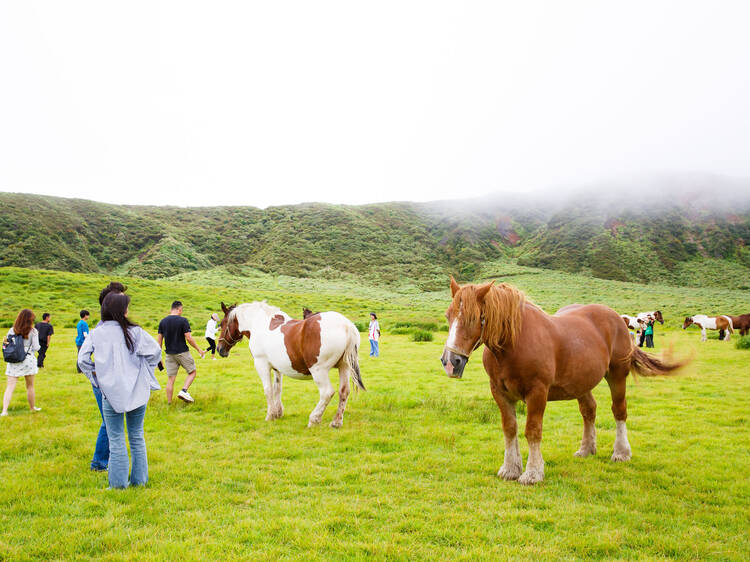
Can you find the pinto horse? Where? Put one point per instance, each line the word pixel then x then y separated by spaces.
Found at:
pixel 532 356
pixel 721 323
pixel 300 349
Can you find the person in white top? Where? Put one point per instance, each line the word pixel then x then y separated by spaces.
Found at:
pixel 374 334
pixel 24 326
pixel 211 327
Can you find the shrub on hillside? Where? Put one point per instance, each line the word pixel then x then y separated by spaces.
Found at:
pixel 421 335
pixel 363 327
pixel 400 331
pixel 743 342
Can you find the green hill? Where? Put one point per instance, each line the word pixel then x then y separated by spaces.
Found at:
pixel 681 242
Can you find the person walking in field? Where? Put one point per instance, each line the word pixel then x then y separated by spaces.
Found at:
pixel 374 335
pixel 211 327
pixel 27 368
pixel 175 333
pixel 124 358
pixel 45 331
pixel 82 331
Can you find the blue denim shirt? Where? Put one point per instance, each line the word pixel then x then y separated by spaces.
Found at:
pixel 126 379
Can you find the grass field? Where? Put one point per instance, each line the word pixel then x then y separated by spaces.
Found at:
pixel 411 475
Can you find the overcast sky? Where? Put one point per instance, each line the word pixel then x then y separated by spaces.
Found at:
pixel 274 102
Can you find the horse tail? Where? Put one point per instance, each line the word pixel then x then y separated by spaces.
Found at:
pixel 351 356
pixel 731 324
pixel 649 366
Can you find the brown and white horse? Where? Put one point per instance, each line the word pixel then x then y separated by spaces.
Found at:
pixel 721 323
pixel 532 356
pixel 300 349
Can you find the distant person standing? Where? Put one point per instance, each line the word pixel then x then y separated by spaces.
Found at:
pixel 23 326
pixel 374 335
pixel 649 332
pixel 82 330
pixel 211 327
pixel 124 358
pixel 45 331
pixel 175 333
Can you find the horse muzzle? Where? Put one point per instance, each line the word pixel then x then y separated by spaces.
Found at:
pixel 454 364
pixel 223 352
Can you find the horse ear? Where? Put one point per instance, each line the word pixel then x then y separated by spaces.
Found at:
pixel 224 308
pixel 455 287
pixel 484 289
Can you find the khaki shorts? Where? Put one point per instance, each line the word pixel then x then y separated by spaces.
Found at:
pixel 173 363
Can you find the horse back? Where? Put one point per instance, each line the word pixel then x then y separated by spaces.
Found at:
pixel 302 341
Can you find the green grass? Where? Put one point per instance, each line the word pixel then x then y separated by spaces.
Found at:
pixel 411 475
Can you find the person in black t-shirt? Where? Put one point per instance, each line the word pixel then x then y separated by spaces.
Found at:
pixel 45 330
pixel 175 333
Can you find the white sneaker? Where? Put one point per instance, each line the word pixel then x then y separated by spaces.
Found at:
pixel 36 409
pixel 185 395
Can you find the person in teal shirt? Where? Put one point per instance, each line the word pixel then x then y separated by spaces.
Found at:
pixel 649 332
pixel 82 330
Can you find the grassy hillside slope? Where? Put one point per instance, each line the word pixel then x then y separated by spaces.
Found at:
pixel 675 243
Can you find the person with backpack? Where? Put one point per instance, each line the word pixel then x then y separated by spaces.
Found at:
pixel 124 359
pixel 19 347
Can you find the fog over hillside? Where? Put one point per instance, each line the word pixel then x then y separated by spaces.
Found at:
pixel 674 229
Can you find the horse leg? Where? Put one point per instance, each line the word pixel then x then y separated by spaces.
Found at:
pixel 512 462
pixel 536 402
pixel 587 406
pixel 338 419
pixel 703 334
pixel 320 376
pixel 617 388
pixel 278 407
pixel 264 372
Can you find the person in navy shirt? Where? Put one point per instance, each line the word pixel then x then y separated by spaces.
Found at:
pixel 82 330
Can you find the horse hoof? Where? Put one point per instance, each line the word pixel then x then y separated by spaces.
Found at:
pixel 531 477
pixel 584 452
pixel 621 456
pixel 511 473
pixel 337 424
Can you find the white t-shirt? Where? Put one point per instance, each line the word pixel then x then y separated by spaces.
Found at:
pixel 374 330
pixel 211 329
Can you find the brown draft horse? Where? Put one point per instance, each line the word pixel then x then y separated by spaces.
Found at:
pixel 532 356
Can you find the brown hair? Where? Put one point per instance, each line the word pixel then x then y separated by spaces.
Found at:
pixel 24 323
pixel 501 310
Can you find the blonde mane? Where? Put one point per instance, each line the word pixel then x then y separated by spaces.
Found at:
pixel 501 310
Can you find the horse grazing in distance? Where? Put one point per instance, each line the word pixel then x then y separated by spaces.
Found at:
pixel 741 323
pixel 532 356
pixel 300 349
pixel 721 323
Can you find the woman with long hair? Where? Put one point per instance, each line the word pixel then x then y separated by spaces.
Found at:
pixel 23 326
pixel 125 356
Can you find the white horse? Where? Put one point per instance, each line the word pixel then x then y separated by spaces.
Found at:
pixel 300 349
pixel 722 323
